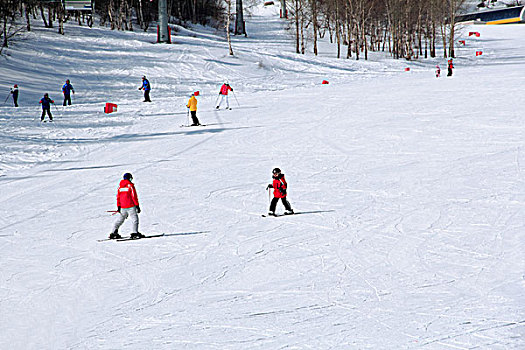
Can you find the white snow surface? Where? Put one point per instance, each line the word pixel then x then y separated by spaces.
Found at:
pixel 411 190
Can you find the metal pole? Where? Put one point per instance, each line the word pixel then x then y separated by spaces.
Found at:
pixel 236 98
pixel 239 19
pixel 163 21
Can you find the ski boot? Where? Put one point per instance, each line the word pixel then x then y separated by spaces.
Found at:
pixel 136 235
pixel 289 212
pixel 271 213
pixel 114 235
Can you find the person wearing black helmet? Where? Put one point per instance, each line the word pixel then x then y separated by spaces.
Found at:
pixel 127 206
pixel 146 87
pixel 279 186
pixel 46 107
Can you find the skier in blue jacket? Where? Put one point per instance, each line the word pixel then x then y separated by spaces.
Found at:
pixel 67 89
pixel 146 87
pixel 46 107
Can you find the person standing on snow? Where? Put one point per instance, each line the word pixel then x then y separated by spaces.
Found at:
pixel 14 92
pixel 146 87
pixel 450 67
pixel 223 93
pixel 192 105
pixel 46 107
pixel 438 71
pixel 127 206
pixel 67 88
pixel 279 186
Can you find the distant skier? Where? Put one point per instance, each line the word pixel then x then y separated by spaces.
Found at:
pixel 223 93
pixel 450 67
pixel 46 107
pixel 67 89
pixel 14 92
pixel 127 206
pixel 279 186
pixel 438 71
pixel 192 105
pixel 146 86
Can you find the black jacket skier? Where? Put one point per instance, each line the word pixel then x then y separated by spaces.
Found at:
pixel 14 92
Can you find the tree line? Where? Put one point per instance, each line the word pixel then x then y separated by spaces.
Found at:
pixel 407 29
pixel 116 14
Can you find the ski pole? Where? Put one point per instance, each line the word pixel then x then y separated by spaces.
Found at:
pixel 113 212
pixel 7 98
pixel 188 116
pixel 236 98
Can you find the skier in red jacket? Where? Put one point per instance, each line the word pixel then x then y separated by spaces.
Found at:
pixel 279 186
pixel 224 93
pixel 450 66
pixel 127 205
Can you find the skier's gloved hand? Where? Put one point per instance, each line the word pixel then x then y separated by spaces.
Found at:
pixel 232 89
pixel 269 186
pixel 118 209
pixel 138 209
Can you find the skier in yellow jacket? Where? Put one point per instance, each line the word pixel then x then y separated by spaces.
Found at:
pixel 192 105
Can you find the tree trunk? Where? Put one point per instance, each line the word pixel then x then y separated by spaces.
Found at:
pixel 228 27
pixel 297 27
pixel 337 29
pixel 314 23
pixel 50 16
pixel 43 16
pixel 27 8
pixel 60 16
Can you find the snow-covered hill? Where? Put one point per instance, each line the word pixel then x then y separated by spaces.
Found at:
pixel 410 188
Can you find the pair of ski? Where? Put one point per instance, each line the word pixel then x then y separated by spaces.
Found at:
pixel 189 126
pixel 277 215
pixel 128 238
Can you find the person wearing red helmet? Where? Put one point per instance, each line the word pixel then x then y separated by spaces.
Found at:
pixel 127 206
pixel 14 92
pixel 279 186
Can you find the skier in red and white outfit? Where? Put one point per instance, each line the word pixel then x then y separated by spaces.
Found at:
pixel 279 186
pixel 127 206
pixel 223 93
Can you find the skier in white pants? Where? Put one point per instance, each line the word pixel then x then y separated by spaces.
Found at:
pixel 223 93
pixel 127 206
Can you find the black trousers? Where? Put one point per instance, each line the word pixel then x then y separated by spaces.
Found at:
pixel 15 100
pixel 48 110
pixel 194 118
pixel 67 98
pixel 449 72
pixel 146 96
pixel 286 204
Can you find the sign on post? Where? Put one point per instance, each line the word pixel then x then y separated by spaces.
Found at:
pixel 78 5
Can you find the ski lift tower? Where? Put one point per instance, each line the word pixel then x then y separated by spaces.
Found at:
pixel 163 36
pixel 240 27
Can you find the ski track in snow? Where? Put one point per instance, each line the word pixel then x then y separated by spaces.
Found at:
pixel 411 191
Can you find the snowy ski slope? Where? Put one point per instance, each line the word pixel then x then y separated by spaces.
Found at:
pixel 411 190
